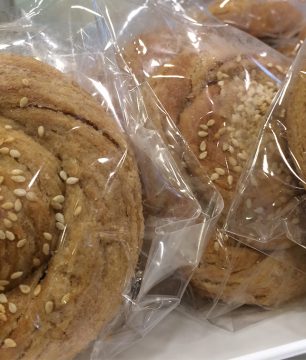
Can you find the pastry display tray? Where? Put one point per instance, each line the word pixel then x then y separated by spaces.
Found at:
pixel 180 338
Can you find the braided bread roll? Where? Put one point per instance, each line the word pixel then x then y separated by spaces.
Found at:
pixel 71 214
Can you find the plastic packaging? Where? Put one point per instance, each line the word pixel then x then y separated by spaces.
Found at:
pixel 216 84
pixel 277 167
pixel 112 250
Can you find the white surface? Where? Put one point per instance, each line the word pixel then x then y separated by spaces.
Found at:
pixel 179 338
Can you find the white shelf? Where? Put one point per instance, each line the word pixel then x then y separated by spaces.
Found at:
pixel 180 338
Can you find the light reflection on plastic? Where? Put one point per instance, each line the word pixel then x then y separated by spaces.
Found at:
pixel 193 38
pixel 169 76
pixel 265 165
pixel 168 65
pixel 247 79
pixel 161 251
pixel 86 9
pixel 144 48
pixel 130 17
pixel 59 65
pixel 102 90
pixel 4 46
pixel 154 63
pixel 103 160
pixel 224 3
pixel 18 42
pixel 33 179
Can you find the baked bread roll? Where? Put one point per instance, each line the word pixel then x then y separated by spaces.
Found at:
pixel 71 218
pixel 268 18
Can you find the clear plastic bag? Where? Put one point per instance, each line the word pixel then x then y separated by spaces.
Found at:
pixel 216 84
pixel 114 229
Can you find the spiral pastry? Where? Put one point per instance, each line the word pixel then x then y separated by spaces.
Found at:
pixel 70 214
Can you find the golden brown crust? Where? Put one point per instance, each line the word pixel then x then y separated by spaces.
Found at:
pixel 82 226
pixel 259 18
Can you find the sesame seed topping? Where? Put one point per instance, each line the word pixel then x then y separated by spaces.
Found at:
pixel 211 122
pixel 77 211
pixel 9 343
pixel 216 246
pixel 221 83
pixel 56 206
pixel 60 226
pixel 46 249
pixel 17 172
pixel 41 131
pixel 232 161
pixel 203 133
pixel 60 217
pixel 31 196
pixel 36 262
pixel 65 299
pixel 9 139
pixel 8 127
pixel 203 155
pixel 249 203
pixel 3 299
pixel 12 216
pixel 4 150
pixel 3 317
pixel 47 236
pixel 259 210
pixel 2 235
pixel 18 205
pixel 12 308
pixel 37 290
pixel 72 180
pixel 238 169
pixel 225 147
pixel 235 142
pixel 18 179
pixel 295 221
pixel 16 275
pixel 230 180
pixel 9 235
pixel 231 149
pixel 20 192
pixel 4 282
pixel 63 175
pixel 25 289
pixel 15 154
pixel 7 223
pixel 7 205
pixel 21 243
pixel 203 146
pixel 220 171
pixel 23 102
pixel 59 198
pixel 25 82
pixel 204 127
pixel 49 306
pixel 214 177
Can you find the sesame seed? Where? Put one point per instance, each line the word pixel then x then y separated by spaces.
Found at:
pixel 9 139
pixel 17 172
pixel 56 206
pixel 203 155
pixel 36 262
pixel 63 175
pixel 270 65
pixel 23 102
pixel 7 223
pixel 18 179
pixel 214 177
pixel 3 299
pixel 72 180
pixel 20 192
pixel 12 216
pixel 8 127
pixel 4 282
pixel 25 82
pixel 7 206
pixel 2 235
pixel 235 142
pixel 242 156
pixel 49 306
pixel 232 161
pixel 15 154
pixel 216 245
pixel 225 147
pixel 221 83
pixel 259 210
pixel 77 211
pixel 16 275
pixel 46 249
pixel 4 150
pixel 279 68
pixel 203 146
pixel 211 122
pixel 18 205
pixel 9 343
pixel 25 289
pixel 3 317
pixel 59 198
pixel 60 226
pixel 231 149
pixel 12 308
pixel 65 299
pixel 41 131
pixel 203 133
pixel 60 217
pixel 230 180
pixel 204 127
pixel 295 221
pixel 220 171
pixel 31 196
pixel 238 169
pixel 9 235
pixel 249 203
pixel 21 243
pixel 37 290
pixel 47 236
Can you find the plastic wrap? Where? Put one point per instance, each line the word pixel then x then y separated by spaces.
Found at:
pixel 216 84
pixel 100 226
pixel 276 174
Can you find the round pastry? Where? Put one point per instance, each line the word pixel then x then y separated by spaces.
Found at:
pixel 71 218
pixel 259 18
